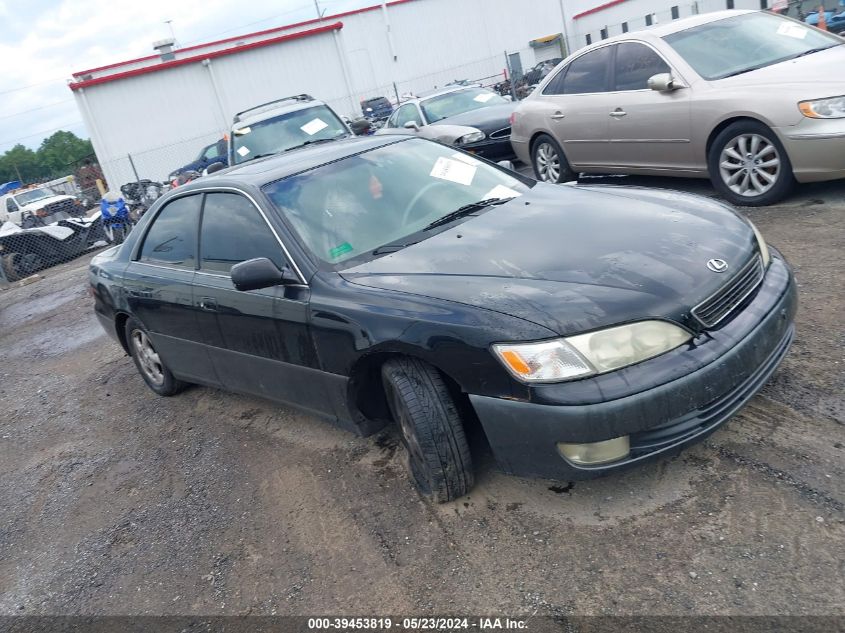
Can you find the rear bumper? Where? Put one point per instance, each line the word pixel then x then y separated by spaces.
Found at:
pixel 659 420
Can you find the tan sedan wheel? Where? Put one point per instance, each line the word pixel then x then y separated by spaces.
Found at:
pixel 550 165
pixel 749 165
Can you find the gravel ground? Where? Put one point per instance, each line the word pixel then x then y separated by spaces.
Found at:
pixel 116 501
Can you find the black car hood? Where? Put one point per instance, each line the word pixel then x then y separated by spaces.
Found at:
pixel 574 258
pixel 487 119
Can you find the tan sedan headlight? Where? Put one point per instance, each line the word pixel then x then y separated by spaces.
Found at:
pixel 584 355
pixel 832 108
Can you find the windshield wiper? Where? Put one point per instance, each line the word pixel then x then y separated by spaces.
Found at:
pixel 467 209
pixel 392 247
pixel 315 141
pixel 814 50
pixel 257 156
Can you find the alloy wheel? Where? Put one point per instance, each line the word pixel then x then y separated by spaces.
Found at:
pixel 548 162
pixel 147 357
pixel 750 165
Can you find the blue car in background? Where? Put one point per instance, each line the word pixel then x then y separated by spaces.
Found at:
pixel 217 152
pixel 376 108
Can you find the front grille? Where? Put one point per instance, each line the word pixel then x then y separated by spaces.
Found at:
pixel 712 310
pixel 62 205
pixel 505 132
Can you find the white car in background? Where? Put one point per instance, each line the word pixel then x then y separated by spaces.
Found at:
pixel 37 206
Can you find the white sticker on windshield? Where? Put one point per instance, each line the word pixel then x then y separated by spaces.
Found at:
pixel 483 97
pixel 792 30
pixel 243 151
pixel 314 126
pixel 500 192
pixel 465 158
pixel 453 170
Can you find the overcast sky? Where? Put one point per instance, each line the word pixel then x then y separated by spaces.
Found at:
pixel 44 41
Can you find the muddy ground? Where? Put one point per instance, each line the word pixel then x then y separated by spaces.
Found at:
pixel 117 501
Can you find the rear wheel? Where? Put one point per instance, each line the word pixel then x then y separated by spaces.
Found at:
pixel 431 428
pixel 149 364
pixel 549 162
pixel 748 165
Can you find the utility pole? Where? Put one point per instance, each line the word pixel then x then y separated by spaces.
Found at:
pixel 317 7
pixel 566 45
pixel 17 171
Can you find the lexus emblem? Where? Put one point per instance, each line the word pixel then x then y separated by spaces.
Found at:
pixel 717 265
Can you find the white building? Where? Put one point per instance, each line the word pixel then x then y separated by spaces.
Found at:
pixel 163 108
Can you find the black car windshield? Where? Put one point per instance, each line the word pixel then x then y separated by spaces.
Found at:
pixel 746 42
pixel 33 195
pixel 389 195
pixel 284 132
pixel 458 102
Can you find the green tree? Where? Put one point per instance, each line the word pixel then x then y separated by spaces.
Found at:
pixel 20 160
pixel 62 150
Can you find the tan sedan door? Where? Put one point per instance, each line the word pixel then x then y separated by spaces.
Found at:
pixel 649 130
pixel 573 107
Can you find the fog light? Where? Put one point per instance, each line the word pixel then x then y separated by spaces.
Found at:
pixel 596 452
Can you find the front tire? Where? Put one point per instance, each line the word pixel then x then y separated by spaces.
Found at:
pixel 431 428
pixel 749 166
pixel 549 161
pixel 149 364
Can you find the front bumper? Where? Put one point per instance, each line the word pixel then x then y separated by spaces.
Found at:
pixel 495 150
pixel 816 149
pixel 659 420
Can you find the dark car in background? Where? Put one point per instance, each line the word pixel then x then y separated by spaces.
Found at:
pixel 385 278
pixel 376 108
pixel 485 113
pixel 217 152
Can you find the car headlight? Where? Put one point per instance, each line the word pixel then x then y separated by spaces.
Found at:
pixel 761 244
pixel 589 354
pixel 472 137
pixel 831 108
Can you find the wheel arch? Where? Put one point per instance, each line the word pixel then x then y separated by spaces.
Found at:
pixel 365 392
pixel 120 320
pixel 722 125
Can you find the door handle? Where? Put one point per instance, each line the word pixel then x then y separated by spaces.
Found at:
pixel 558 115
pixel 618 112
pixel 209 304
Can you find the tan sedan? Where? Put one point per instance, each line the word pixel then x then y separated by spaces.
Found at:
pixel 752 100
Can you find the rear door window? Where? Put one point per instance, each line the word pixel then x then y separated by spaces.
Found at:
pixel 588 73
pixel 172 237
pixel 635 63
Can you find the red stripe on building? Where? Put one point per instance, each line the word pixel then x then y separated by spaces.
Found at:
pixel 241 37
pixel 336 26
pixel 601 7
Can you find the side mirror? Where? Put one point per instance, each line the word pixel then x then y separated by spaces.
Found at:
pixel 260 272
pixel 412 125
pixel 214 167
pixel 662 82
pixel 506 164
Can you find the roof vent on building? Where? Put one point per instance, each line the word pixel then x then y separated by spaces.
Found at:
pixel 165 49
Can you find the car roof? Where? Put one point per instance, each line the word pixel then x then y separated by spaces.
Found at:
pixel 260 171
pixel 442 91
pixel 273 109
pixel 661 30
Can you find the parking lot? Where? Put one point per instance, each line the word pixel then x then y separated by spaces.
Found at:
pixel 118 501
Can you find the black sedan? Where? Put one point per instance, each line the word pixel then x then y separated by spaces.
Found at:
pixel 480 118
pixel 390 279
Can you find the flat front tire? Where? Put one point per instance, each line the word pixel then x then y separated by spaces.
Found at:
pixel 749 166
pixel 148 362
pixel 431 428
pixel 549 162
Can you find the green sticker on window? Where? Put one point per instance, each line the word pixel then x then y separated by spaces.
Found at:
pixel 337 251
